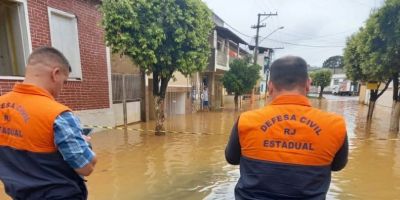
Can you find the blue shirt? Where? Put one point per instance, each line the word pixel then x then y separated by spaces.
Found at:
pixel 70 142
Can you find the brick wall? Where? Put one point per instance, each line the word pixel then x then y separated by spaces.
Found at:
pixel 92 91
pixel 5 86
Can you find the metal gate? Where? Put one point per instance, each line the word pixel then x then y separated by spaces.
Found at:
pixel 132 87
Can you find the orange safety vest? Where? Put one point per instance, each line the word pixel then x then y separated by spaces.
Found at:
pixel 30 165
pixel 291 131
pixel 27 117
pixel 287 147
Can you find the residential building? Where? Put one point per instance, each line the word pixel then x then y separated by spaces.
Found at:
pixel 264 58
pixel 73 28
pixel 139 92
pixel 225 45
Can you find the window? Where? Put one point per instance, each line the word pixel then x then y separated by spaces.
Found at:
pixel 14 42
pixel 64 37
pixel 335 81
pixel 219 45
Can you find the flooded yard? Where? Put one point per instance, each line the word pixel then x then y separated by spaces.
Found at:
pixel 139 165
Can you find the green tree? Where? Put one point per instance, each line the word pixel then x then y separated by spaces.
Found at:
pixel 362 61
pixel 321 78
pixel 161 37
pixel 388 23
pixel 241 77
pixel 333 62
pixel 352 59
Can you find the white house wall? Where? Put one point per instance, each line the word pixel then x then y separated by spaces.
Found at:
pixel 133 112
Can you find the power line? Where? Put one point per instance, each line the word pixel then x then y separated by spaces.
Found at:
pixel 238 30
pixel 309 37
pixel 306 45
pixel 328 38
pixel 362 3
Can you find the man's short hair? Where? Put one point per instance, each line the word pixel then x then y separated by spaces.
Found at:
pixel 289 72
pixel 49 56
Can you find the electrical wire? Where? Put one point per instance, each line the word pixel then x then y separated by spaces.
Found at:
pixel 361 3
pixel 237 30
pixel 307 45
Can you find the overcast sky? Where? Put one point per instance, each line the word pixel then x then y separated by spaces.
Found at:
pixel 323 24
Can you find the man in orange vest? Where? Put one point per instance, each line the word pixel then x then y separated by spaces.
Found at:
pixel 43 154
pixel 287 149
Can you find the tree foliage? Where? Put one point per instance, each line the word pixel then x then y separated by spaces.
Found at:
pixel 352 60
pixel 241 77
pixel 372 54
pixel 321 77
pixel 363 56
pixel 388 23
pixel 160 36
pixel 333 62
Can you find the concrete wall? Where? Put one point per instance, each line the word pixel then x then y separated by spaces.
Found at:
pixel 181 80
pixel 97 117
pixel 133 112
pixel 385 100
pixel 175 103
pixel 110 117
pixel 363 94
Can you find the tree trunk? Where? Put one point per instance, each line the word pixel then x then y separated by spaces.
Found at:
pixel 160 85
pixel 320 92
pixel 394 118
pixel 395 115
pixel 371 107
pixel 160 116
pixel 236 102
pixel 395 96
pixel 373 97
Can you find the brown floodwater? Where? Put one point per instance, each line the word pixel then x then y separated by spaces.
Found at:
pixel 140 165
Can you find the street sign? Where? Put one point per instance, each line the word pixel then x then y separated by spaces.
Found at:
pixel 372 85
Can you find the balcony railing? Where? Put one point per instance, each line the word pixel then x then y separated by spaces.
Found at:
pixel 222 58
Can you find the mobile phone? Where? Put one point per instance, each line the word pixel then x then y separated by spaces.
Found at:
pixel 87 131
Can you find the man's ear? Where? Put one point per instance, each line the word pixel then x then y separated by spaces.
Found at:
pixel 55 74
pixel 308 85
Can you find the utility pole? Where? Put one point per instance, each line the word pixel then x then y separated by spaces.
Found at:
pixel 258 26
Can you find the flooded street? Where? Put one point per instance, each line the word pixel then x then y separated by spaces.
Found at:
pixel 136 165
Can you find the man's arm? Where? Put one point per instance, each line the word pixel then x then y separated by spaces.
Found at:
pixel 232 150
pixel 72 145
pixel 340 159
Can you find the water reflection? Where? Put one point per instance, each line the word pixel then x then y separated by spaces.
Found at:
pixel 139 165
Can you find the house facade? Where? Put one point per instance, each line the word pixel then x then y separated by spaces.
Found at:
pixel 225 46
pixel 264 59
pixel 73 28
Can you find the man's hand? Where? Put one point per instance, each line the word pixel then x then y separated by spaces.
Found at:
pixel 87 139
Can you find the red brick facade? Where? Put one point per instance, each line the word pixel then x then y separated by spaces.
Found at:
pixel 92 92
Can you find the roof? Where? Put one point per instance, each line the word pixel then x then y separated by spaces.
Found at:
pixel 261 49
pixel 243 51
pixel 226 33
